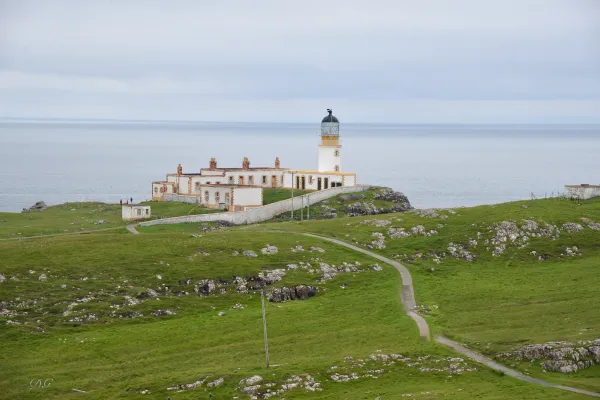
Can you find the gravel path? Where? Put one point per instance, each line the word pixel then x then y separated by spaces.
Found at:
pixel 407 295
pixel 408 299
pixel 131 228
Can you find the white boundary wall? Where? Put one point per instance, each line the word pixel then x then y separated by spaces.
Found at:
pixel 256 214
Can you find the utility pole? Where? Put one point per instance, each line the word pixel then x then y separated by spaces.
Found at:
pixel 292 195
pixel 264 315
pixel 302 208
pixel 308 207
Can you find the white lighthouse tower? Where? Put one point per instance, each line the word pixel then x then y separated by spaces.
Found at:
pixel 330 159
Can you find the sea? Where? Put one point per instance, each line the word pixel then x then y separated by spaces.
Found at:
pixel 434 165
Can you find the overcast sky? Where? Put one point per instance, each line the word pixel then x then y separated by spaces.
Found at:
pixel 421 61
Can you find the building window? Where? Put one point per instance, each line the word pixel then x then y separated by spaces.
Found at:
pixel 147 211
pixel 217 197
pixel 251 180
pixel 227 198
pixel 206 196
pixel 281 180
pixel 197 187
pixel 264 179
pixel 241 180
pixel 231 180
pixel 310 180
pixel 336 153
pixel 138 212
pixel 337 168
pixel 155 190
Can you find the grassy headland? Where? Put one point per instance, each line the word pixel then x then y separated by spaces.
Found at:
pixel 132 315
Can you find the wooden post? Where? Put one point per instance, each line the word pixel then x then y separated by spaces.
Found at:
pixel 264 315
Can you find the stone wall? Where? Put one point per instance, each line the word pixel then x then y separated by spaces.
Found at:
pixel 256 214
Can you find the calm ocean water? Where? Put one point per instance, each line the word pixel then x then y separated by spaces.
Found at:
pixel 435 166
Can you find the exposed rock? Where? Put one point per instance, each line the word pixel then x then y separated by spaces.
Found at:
pixel 235 253
pixel 249 254
pixel 188 386
pixel 149 293
pixel 38 206
pixel 563 357
pixel 378 242
pixel 269 250
pixel 572 251
pixel 2 278
pixel 100 222
pixel 459 251
pixel 222 313
pixel 253 380
pixel 316 249
pixel 272 276
pixel 205 287
pixel 429 213
pixel 297 248
pixel 300 292
pixel 591 224
pixel 237 306
pixel 572 227
pixel 215 383
pixel 43 278
pixel 361 208
pixel 396 233
pixel 376 267
pixel 163 313
pixel 388 194
pixel 376 222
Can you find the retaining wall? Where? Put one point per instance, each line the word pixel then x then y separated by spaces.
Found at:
pixel 258 214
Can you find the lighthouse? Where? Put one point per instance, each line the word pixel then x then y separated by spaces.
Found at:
pixel 330 147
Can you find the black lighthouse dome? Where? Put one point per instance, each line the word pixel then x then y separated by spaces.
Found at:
pixel 330 117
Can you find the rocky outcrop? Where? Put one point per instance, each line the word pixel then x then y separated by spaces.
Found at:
pixel 563 357
pixel 38 206
pixel 268 249
pixel 300 292
pixel 399 198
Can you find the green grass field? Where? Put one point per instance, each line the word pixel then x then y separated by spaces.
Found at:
pixel 91 324
pixel 97 347
pixel 77 217
pixel 496 302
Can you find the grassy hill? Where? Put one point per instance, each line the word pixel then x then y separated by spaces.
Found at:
pixel 74 218
pixel 130 316
pixel 495 277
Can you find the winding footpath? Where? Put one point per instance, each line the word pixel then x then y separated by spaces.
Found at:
pixel 407 296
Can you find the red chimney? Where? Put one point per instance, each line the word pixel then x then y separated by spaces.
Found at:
pixel 277 163
pixel 213 164
pixel 246 163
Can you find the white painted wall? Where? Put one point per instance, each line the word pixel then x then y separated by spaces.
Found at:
pixel 583 192
pixel 247 196
pixel 257 176
pixel 263 213
pixel 327 158
pixel 129 213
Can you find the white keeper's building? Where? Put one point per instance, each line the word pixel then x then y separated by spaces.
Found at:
pixel 236 188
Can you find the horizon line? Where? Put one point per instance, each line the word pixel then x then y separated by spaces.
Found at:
pixel 158 121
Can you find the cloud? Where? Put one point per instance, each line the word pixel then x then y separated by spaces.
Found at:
pixel 465 54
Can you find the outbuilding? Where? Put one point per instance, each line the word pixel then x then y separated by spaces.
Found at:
pixel 131 212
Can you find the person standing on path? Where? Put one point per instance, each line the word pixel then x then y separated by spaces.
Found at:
pixel 121 201
pixel 131 200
